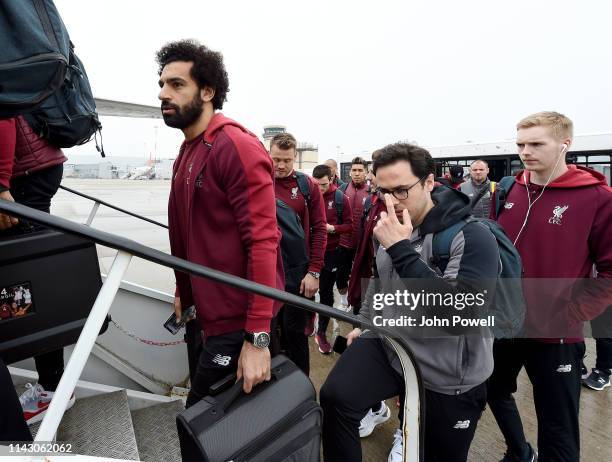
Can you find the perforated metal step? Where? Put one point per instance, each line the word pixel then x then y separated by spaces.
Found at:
pixel 100 426
pixel 156 435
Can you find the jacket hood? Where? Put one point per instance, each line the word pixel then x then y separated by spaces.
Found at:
pixel 576 176
pixel 218 122
pixel 451 205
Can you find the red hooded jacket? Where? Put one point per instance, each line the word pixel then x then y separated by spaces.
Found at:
pixel 222 215
pixel 567 232
pixel 329 200
pixel 357 196
pixel 313 220
pixel 23 152
pixel 364 255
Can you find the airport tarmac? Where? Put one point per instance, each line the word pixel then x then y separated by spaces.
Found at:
pixel 149 198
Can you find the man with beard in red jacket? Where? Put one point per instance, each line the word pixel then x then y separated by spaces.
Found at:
pixel 222 215
pixel 559 218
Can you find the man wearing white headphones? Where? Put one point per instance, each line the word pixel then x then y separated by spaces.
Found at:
pixel 559 218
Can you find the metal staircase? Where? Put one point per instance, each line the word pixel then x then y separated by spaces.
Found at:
pixel 104 426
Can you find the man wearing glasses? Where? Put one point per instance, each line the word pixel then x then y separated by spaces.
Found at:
pixel 454 367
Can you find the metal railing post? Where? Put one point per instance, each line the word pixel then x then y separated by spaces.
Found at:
pixel 92 214
pixel 83 347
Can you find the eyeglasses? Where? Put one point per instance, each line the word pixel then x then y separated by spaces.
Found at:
pixel 399 193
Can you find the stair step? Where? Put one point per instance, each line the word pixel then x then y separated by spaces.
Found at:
pixel 100 426
pixel 156 435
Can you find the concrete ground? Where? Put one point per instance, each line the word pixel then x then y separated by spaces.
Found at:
pixel 149 198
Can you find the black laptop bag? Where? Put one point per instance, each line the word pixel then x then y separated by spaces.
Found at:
pixel 279 421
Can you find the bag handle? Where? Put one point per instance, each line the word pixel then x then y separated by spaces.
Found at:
pixel 232 389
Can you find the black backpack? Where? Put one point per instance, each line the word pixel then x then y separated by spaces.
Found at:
pixel 508 305
pixel 501 194
pixel 41 75
pixel 34 54
pixel 339 200
pixel 293 241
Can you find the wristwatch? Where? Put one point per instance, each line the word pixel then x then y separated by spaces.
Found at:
pixel 258 339
pixel 314 274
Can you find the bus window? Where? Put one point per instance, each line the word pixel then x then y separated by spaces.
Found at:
pixel 603 169
pixel 515 166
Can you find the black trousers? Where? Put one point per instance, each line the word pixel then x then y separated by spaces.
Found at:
pixel 345 264
pixel 218 359
pixel 326 285
pixel 349 392
pixel 602 331
pixel 554 370
pixel 36 191
pixel 12 423
pixel 195 343
pixel 288 336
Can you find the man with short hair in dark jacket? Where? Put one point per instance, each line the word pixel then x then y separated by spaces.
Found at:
pixel 296 324
pixel 478 188
pixel 454 365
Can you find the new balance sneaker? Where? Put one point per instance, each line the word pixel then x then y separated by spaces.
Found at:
pixel 35 402
pixel 597 380
pixel 324 346
pixel 371 419
pixel 396 454
pixel 531 457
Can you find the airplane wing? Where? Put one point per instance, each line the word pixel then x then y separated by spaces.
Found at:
pixel 108 107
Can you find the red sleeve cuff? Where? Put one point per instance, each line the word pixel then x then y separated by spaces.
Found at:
pixel 257 324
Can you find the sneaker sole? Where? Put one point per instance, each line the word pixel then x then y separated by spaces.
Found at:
pixel 379 420
pixel 38 417
pixel 319 347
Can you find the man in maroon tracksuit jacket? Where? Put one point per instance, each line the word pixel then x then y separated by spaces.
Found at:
pixel 292 320
pixel 357 192
pixel 559 217
pixel 324 176
pixel 30 173
pixel 222 215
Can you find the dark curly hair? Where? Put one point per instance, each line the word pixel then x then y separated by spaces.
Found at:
pixel 420 160
pixel 208 69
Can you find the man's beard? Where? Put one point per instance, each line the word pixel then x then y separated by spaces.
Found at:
pixel 185 116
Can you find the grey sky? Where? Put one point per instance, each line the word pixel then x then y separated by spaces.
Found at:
pixel 359 74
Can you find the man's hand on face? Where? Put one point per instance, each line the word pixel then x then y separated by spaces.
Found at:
pixel 389 230
pixel 330 229
pixel 253 366
pixel 309 286
pixel 6 221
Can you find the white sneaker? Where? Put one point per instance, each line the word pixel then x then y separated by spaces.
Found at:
pixel 397 451
pixel 371 419
pixel 35 402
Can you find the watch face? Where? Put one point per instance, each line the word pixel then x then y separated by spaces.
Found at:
pixel 262 340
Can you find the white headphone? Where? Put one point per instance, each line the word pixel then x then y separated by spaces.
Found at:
pixel 564 148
